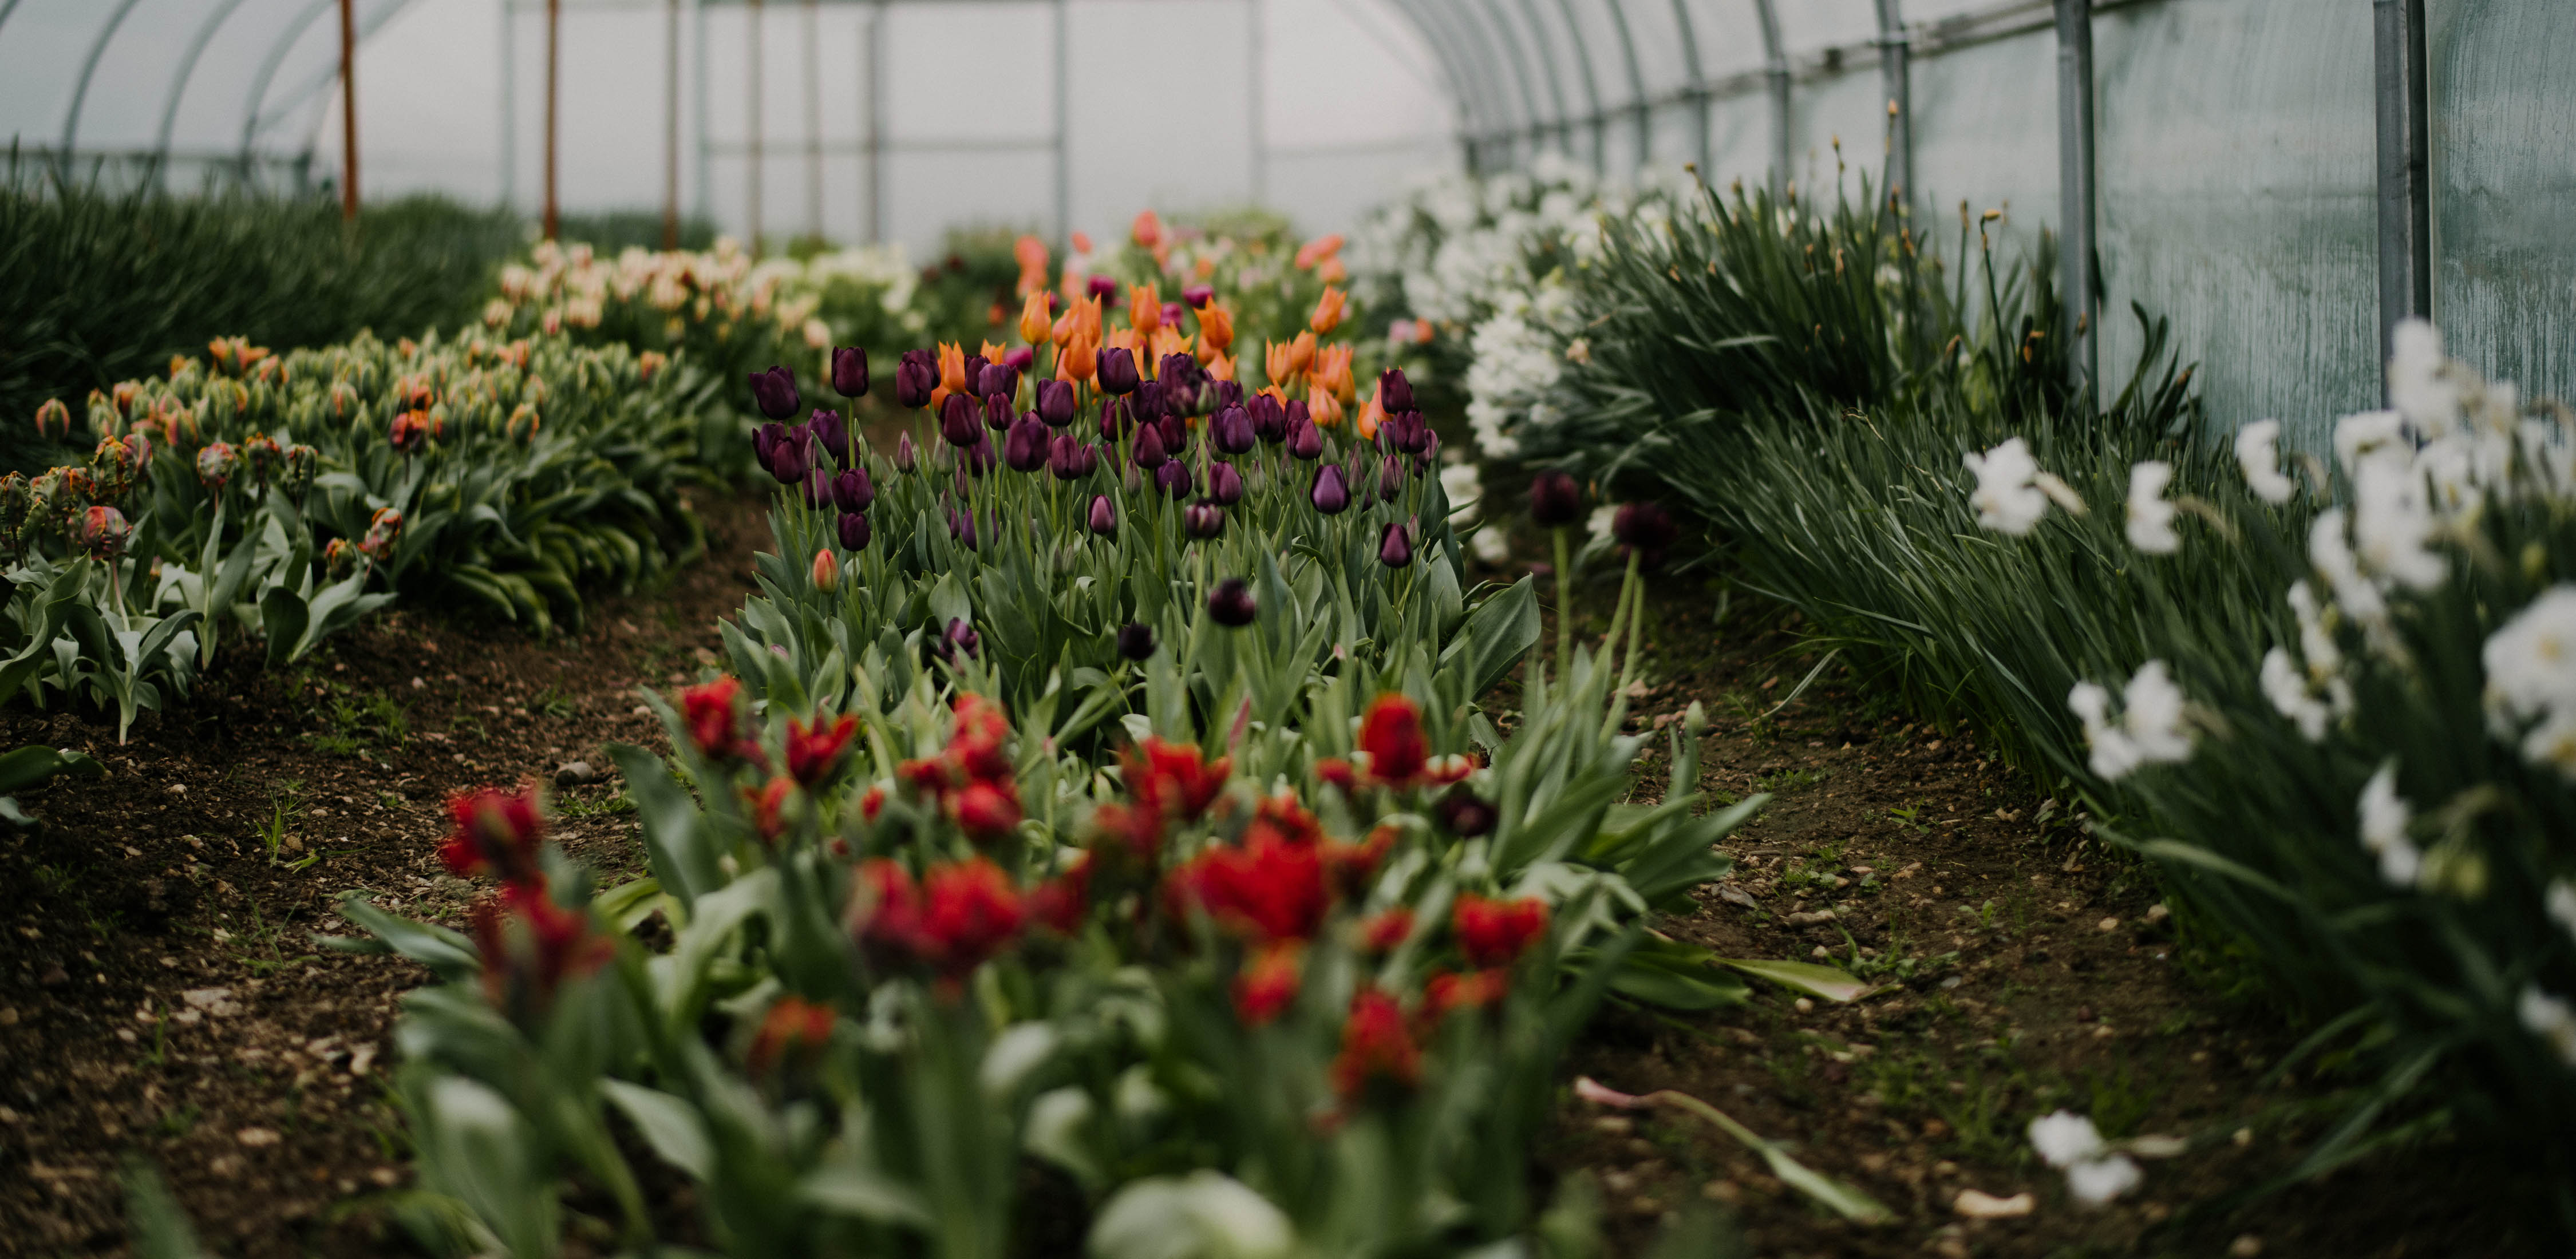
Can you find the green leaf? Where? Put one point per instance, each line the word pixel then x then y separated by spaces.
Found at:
pixel 848 1189
pixel 448 954
pixel 28 766
pixel 1831 983
pixel 669 1124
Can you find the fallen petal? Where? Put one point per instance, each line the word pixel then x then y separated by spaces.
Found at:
pixel 1978 1205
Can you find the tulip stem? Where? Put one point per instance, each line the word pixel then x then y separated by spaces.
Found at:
pixel 1632 607
pixel 1564 607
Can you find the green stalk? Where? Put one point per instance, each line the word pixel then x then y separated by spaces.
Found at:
pixel 1564 607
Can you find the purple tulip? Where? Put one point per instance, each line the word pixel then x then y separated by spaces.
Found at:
pixel 1555 500
pixel 1101 286
pixel 852 491
pixel 1229 393
pixel 1298 414
pixel 1055 402
pixel 1104 518
pixel 1395 546
pixel 765 439
pixel 1394 392
pixel 1231 430
pixel 961 526
pixel 1025 449
pixel 978 459
pixel 906 457
pixel 975 365
pixel 1117 370
pixel 1269 419
pixel 789 460
pixel 1198 296
pixel 915 375
pixel 1305 441
pixel 999 378
pixel 1173 478
pixel 958 420
pixel 1135 642
pixel 1645 528
pixel 1466 816
pixel 1390 477
pixel 775 392
pixel 831 432
pixel 997 412
pixel 1171 314
pixel 816 488
pixel 1415 436
pixel 1202 520
pixel 1148 400
pixel 1018 360
pixel 1231 603
pixel 1117 418
pixel 849 371
pixel 1071 460
pixel 854 530
pixel 1176 435
pixel 1148 453
pixel 962 637
pixel 1330 494
pixel 1225 485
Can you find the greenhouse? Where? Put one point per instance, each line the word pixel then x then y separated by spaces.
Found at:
pixel 1235 629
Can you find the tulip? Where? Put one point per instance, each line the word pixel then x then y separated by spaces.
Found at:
pixel 961 636
pixel 1298 413
pixel 1394 392
pixel 1173 478
pixel 827 571
pixel 1225 485
pixel 1228 393
pixel 1203 520
pixel 1118 370
pixel 1231 603
pixel 764 439
pixel 1033 317
pixel 1197 295
pixel 1117 418
pixel 1178 370
pixel 1025 449
pixel 999 378
pixel 775 392
pixel 1104 518
pixel 1231 430
pixel 1080 360
pixel 854 531
pixel 915 375
pixel 1305 441
pixel 101 531
pixel 1555 500
pixel 495 833
pixel 789 460
pixel 1149 401
pixel 1269 419
pixel 1395 547
pixel 978 459
pixel 969 375
pixel 997 412
pixel 852 491
pixel 849 371
pixel 1071 460
pixel 957 421
pixel 816 488
pixel 1100 286
pixel 1328 312
pixel 1330 495
pixel 1020 359
pixel 831 432
pixel 1149 453
pixel 1144 309
pixel 906 457
pixel 1645 528
pixel 1135 641
pixel 1390 478
pixel 53 420
pixel 1055 402
pixel 1176 435
pixel 961 527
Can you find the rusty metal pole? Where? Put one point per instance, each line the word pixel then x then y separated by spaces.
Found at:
pixel 671 130
pixel 554 96
pixel 348 111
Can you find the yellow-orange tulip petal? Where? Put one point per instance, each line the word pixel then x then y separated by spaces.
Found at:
pixel 1366 422
pixel 1203 268
pixel 1332 370
pixel 1082 242
pixel 1332 272
pixel 1033 317
pixel 1079 361
pixel 1147 230
pixel 1301 353
pixel 1323 408
pixel 1086 321
pixel 1216 329
pixel 1274 364
pixel 1144 308
pixel 952 368
pixel 1328 311
pixel 1220 367
pixel 992 353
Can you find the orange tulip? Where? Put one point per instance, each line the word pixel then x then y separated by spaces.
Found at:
pixel 1216 330
pixel 1078 361
pixel 952 367
pixel 1332 371
pixel 1301 353
pixel 1033 317
pixel 992 353
pixel 1144 308
pixel 1086 319
pixel 1169 340
pixel 1032 254
pixel 1368 419
pixel 1203 268
pixel 1147 230
pixel 1082 242
pixel 1274 362
pixel 1332 272
pixel 1328 312
pixel 1323 408
pixel 1220 367
pixel 1317 250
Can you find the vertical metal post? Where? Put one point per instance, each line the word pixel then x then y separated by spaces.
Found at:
pixel 813 120
pixel 554 94
pixel 348 112
pixel 2075 185
pixel 2404 89
pixel 1591 89
pixel 1698 81
pixel 671 127
pixel 1643 112
pixel 704 193
pixel 751 53
pixel 1063 131
pixel 1256 85
pixel 1775 76
pixel 876 124
pixel 1896 72
pixel 510 103
pixel 1546 59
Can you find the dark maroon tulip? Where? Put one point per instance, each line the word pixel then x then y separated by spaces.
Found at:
pixel 1148 452
pixel 1390 477
pixel 961 526
pixel 962 637
pixel 849 371
pixel 1394 392
pixel 1101 286
pixel 832 433
pixel 1466 816
pixel 1225 485
pixel 854 531
pixel 1018 360
pixel 1135 641
pixel 1117 370
pixel 1231 603
pixel 1179 370
pixel 1298 413
pixel 978 459
pixel 1071 460
pixel 999 378
pixel 1148 402
pixel 765 439
pixel 974 377
pixel 1330 495
pixel 852 491
pixel 1269 419
pixel 789 460
pixel 960 420
pixel 1104 518
pixel 1117 418
pixel 816 488
pixel 1173 478
pixel 1171 314
pixel 1055 402
pixel 906 457
pixel 1231 430
pixel 1176 435
pixel 1417 433
pixel 916 374
pixel 1555 500
pixel 775 392
pixel 1202 520
pixel 1025 450
pixel 1645 528
pixel 1395 546
pixel 997 413
pixel 1305 441
pixel 1198 296
pixel 1229 393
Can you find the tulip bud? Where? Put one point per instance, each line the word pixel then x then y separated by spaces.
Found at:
pixel 1466 816
pixel 854 531
pixel 1171 314
pixel 973 375
pixel 1555 500
pixel 54 420
pixel 764 439
pixel 1055 402
pixel 215 465
pixel 775 392
pixel 1394 392
pixel 1231 603
pixel 1269 419
pixel 1173 478
pixel 915 375
pixel 1071 460
pixel 1298 412
pixel 851 491
pixel 1225 485
pixel 1176 435
pixel 1415 436
pixel 831 432
pixel 1104 518
pixel 1203 520
pixel 962 636
pixel 1148 453
pixel 1198 296
pixel 788 460
pixel 1231 430
pixel 849 371
pixel 978 459
pixel 1025 449
pixel 961 526
pixel 1330 495
pixel 958 416
pixel 1101 286
pixel 1117 417
pixel 1135 641
pixel 817 488
pixel 1645 528
pixel 827 571
pixel 1390 478
pixel 1020 358
pixel 997 412
pixel 906 457
pixel 101 531
pixel 1117 370
pixel 1305 441
pixel 998 378
pixel 1395 546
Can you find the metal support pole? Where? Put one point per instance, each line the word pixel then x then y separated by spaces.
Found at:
pixel 1508 41
pixel 1591 89
pixel 813 120
pixel 1473 94
pixel 1063 130
pixel 348 112
pixel 1643 112
pixel 876 124
pixel 2405 169
pixel 1256 85
pixel 751 51
pixel 671 126
pixel 179 87
pixel 1775 75
pixel 705 192
pixel 89 66
pixel 1698 81
pixel 510 104
pixel 2075 185
pixel 1896 72
pixel 1547 63
pixel 554 97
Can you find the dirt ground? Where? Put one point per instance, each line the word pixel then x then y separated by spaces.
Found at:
pixel 159 997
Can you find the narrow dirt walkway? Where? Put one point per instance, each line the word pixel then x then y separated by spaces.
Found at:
pixel 158 994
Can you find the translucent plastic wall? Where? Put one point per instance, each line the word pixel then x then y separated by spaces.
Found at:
pixel 2504 187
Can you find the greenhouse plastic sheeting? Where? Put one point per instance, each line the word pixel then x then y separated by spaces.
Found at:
pixel 2504 188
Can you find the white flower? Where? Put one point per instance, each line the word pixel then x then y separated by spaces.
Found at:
pixel 2258 450
pixel 2392 522
pixel 2531 665
pixel 1491 546
pixel 2287 688
pixel 2095 1173
pixel 1459 482
pixel 2151 518
pixel 2333 558
pixel 2384 819
pixel 2421 385
pixel 2150 730
pixel 2551 1020
pixel 2369 435
pixel 2006 500
pixel 1598 524
pixel 2316 642
pixel 2562 904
